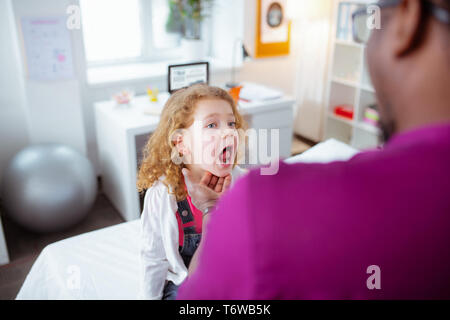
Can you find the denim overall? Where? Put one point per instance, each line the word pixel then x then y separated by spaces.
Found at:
pixel 187 250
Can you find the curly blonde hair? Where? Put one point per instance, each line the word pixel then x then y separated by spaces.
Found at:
pixel 178 113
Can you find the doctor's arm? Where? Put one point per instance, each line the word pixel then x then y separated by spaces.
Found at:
pixel 225 258
pixel 204 195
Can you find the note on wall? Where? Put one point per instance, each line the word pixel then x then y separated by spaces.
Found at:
pixel 48 48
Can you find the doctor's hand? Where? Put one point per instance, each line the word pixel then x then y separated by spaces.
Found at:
pixel 205 193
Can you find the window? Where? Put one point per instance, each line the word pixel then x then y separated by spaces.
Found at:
pixel 119 31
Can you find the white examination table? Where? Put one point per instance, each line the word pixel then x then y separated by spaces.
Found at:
pixel 104 264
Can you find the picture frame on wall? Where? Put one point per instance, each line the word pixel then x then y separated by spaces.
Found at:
pixel 273 29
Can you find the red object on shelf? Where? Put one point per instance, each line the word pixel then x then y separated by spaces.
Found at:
pixel 344 110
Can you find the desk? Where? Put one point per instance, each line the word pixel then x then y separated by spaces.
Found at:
pixel 122 131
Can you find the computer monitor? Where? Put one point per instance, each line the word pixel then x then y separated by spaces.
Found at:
pixel 185 75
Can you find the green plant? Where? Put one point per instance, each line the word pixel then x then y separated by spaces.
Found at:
pixel 174 22
pixel 191 13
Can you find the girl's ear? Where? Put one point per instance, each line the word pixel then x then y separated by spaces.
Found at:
pixel 180 145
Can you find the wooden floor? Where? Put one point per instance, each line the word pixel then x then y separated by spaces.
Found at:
pixel 300 145
pixel 24 246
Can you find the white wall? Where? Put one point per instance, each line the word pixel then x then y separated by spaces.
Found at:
pixel 313 30
pixel 54 107
pixel 277 72
pixel 13 113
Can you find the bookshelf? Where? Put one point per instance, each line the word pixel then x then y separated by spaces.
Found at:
pixel 349 83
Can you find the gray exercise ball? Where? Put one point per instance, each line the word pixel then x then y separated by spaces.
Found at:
pixel 48 187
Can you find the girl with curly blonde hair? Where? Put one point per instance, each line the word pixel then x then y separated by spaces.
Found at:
pixel 201 130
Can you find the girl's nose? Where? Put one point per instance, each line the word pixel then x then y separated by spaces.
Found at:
pixel 227 133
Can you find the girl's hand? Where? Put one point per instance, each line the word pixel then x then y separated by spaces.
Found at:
pixel 205 193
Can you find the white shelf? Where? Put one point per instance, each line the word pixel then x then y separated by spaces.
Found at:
pixel 349 83
pixel 367 127
pixel 353 84
pixel 345 82
pixel 339 118
pixel 348 44
pixel 367 88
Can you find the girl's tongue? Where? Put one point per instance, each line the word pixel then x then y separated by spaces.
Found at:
pixel 226 155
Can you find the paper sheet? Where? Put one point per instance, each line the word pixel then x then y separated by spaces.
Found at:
pixel 48 48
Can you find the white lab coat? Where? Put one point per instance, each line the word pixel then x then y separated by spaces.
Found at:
pixel 160 258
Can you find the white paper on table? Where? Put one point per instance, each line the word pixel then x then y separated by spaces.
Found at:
pixel 256 92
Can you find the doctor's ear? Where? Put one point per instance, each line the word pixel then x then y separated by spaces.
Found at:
pixel 407 26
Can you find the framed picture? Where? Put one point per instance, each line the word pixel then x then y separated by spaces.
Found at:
pixel 273 29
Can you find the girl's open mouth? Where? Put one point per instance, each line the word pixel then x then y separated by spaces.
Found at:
pixel 226 156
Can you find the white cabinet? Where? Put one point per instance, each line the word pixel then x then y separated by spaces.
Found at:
pixel 122 131
pixel 349 84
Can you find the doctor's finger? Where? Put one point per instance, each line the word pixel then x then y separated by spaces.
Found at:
pixel 206 179
pixel 219 185
pixel 227 183
pixel 213 182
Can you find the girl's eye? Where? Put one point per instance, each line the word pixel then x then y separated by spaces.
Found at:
pixel 211 126
pixel 232 124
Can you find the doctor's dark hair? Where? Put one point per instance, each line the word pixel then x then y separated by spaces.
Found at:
pixel 177 114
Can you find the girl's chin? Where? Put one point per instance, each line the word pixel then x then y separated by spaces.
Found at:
pixel 221 170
